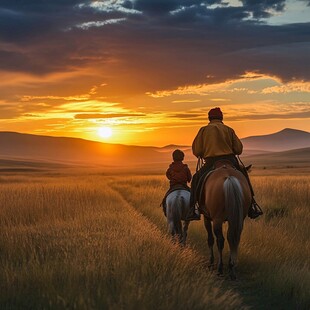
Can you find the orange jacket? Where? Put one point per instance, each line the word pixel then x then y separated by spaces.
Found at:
pixel 178 173
pixel 216 139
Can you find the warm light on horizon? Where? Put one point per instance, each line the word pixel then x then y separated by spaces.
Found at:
pixel 105 132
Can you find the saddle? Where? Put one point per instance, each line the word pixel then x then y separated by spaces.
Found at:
pixel 203 177
pixel 173 189
pixel 177 187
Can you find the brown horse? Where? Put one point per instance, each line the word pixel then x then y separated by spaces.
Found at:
pixel 226 196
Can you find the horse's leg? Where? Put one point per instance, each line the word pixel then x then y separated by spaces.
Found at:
pixel 185 229
pixel 171 228
pixel 208 226
pixel 170 222
pixel 232 257
pixel 180 238
pixel 178 230
pixel 232 267
pixel 217 228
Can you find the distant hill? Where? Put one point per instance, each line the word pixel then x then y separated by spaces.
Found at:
pixel 19 165
pixel 172 147
pixel 291 157
pixel 35 152
pixel 74 150
pixel 294 161
pixel 286 139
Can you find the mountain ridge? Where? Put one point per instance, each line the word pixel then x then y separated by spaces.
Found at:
pixel 68 149
pixel 283 140
pixel 81 151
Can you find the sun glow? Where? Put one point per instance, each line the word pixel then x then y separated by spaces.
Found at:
pixel 105 132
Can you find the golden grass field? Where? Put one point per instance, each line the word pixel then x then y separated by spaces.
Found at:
pixel 98 241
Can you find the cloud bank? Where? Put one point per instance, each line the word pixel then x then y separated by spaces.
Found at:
pixel 80 62
pixel 155 44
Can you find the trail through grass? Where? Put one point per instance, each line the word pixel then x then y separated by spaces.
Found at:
pixel 274 268
pixel 75 243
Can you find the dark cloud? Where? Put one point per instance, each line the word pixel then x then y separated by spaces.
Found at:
pixel 188 116
pixel 19 25
pixel 155 7
pixel 204 116
pixel 149 45
pixel 30 20
pixel 299 115
pixel 160 7
pixel 263 8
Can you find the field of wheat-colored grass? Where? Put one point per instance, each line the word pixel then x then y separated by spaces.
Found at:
pixel 101 242
pixel 74 242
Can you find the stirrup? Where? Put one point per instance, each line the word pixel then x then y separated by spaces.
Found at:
pixel 193 215
pixel 255 210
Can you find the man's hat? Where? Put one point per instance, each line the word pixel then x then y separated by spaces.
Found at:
pixel 215 113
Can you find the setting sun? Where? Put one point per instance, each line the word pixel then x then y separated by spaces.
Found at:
pixel 105 132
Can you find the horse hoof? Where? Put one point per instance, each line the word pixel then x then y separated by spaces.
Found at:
pixel 211 267
pixel 220 272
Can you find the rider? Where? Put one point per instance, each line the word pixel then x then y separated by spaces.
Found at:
pixel 213 142
pixel 178 174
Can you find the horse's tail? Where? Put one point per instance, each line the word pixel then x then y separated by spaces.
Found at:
pixel 234 209
pixel 175 215
pixel 180 203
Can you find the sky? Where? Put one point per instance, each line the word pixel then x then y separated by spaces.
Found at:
pixel 150 70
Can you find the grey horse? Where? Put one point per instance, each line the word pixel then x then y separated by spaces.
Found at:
pixel 177 210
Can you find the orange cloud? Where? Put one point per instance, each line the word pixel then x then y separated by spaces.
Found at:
pixel 228 86
pixel 298 86
pixel 250 83
pixel 107 115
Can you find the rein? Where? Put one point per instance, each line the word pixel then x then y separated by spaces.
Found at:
pixel 200 163
pixel 240 161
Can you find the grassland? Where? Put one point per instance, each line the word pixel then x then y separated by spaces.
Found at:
pixel 95 241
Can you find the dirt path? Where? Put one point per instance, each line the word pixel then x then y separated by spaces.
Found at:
pixel 253 295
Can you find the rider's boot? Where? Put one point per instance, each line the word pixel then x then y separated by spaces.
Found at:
pixel 164 206
pixel 193 214
pixel 254 210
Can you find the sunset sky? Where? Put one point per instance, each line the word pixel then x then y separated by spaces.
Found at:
pixel 150 70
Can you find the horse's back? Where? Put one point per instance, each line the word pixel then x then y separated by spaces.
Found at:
pixel 215 195
pixel 178 202
pixel 178 194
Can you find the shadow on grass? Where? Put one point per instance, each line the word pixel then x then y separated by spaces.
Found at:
pixel 276 213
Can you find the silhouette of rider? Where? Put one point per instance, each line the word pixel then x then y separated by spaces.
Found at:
pixel 214 142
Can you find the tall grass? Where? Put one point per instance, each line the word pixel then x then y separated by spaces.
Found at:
pixel 278 246
pixel 75 242
pixel 274 264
